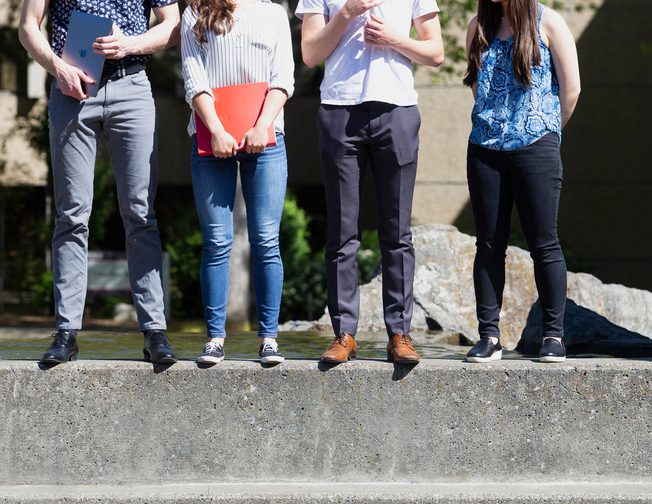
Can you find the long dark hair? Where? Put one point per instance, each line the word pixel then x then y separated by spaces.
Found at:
pixel 523 16
pixel 214 15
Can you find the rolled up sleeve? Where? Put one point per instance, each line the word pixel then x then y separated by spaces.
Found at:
pixel 311 7
pixel 193 62
pixel 282 68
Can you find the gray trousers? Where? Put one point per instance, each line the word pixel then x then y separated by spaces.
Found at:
pixel 124 111
pixel 386 137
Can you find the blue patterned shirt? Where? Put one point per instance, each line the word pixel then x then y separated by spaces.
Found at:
pixel 508 116
pixel 131 16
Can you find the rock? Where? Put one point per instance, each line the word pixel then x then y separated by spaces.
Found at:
pixel 444 298
pixel 124 312
pixel 586 332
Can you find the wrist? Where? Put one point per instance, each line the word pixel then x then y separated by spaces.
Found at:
pixel 57 66
pixel 131 48
pixel 345 13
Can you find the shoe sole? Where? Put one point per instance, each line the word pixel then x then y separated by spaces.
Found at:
pixel 493 357
pixel 164 360
pixel 209 360
pixel 335 361
pixel 390 358
pixel 552 359
pixel 271 360
pixel 57 361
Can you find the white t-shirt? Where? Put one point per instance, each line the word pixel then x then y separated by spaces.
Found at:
pixel 357 72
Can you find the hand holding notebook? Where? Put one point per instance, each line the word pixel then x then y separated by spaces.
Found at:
pixel 238 109
pixel 83 29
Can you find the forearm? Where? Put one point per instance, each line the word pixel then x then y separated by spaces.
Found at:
pixel 35 43
pixel 423 52
pixel 318 44
pixel 274 102
pixel 568 99
pixel 204 105
pixel 160 36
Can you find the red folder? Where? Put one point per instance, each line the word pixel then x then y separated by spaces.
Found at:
pixel 238 108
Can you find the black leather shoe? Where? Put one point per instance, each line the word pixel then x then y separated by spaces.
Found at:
pixel 485 351
pixel 157 348
pixel 63 348
pixel 552 350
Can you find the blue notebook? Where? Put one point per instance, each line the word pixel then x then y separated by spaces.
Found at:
pixel 83 29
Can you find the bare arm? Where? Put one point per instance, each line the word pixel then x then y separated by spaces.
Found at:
pixel 222 143
pixel 564 58
pixel 69 78
pixel 428 50
pixel 255 139
pixel 164 34
pixel 320 35
pixel 470 33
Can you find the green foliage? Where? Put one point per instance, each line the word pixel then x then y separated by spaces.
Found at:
pixel 304 288
pixel 304 291
pixel 104 201
pixel 183 241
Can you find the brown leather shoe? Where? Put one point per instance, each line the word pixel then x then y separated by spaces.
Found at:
pixel 400 349
pixel 342 349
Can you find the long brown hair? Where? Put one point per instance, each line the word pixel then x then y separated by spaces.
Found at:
pixel 214 15
pixel 523 16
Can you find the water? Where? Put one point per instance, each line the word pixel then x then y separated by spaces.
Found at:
pixel 30 345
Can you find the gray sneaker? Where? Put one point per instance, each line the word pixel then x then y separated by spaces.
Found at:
pixel 212 354
pixel 270 354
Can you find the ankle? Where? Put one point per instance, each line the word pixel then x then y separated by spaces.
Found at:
pixel 219 341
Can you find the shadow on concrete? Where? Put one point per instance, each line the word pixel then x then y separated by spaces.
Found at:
pixel 402 370
pixel 162 367
pixel 585 332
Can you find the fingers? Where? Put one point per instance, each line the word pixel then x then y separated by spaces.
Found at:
pixel 105 40
pixel 85 78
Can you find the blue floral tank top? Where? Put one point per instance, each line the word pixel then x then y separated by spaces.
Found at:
pixel 506 115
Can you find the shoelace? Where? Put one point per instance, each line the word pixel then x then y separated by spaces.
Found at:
pixel 212 346
pixel 406 340
pixel 270 347
pixel 340 338
pixel 60 338
pixel 157 338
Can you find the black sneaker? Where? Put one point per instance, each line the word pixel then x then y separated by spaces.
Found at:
pixel 269 354
pixel 552 350
pixel 212 354
pixel 63 348
pixel 156 348
pixel 485 351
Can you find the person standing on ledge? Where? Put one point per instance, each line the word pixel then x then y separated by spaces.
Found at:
pixel 228 43
pixel 124 111
pixel 523 69
pixel 369 115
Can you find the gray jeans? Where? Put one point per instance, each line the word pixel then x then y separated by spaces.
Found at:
pixel 124 111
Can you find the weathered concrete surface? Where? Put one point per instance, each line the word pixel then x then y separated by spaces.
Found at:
pixel 317 493
pixel 443 421
pixel 444 298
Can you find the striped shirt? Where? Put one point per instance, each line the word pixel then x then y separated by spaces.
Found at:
pixel 258 48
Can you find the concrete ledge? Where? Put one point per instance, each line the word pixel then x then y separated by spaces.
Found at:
pixel 318 493
pixel 99 422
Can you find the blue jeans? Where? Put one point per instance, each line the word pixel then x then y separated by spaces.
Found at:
pixel 263 177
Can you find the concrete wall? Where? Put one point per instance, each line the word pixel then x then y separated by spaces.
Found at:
pixel 100 422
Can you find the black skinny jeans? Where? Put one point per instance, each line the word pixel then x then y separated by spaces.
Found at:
pixel 531 177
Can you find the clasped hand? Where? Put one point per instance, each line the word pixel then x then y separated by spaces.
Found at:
pixel 225 146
